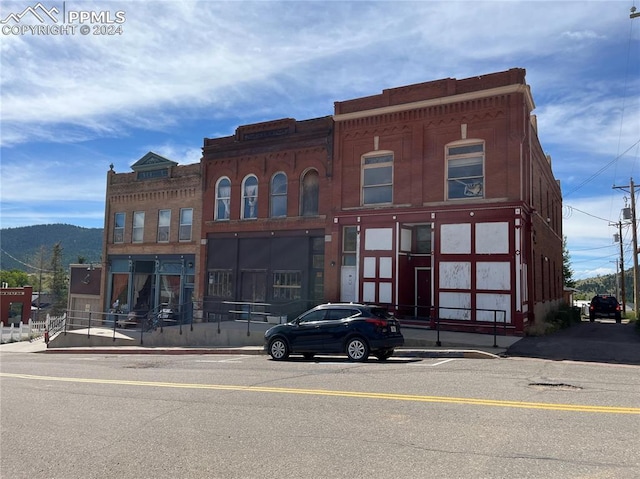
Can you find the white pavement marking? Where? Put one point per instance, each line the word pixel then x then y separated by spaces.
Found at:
pixel 239 358
pixel 430 365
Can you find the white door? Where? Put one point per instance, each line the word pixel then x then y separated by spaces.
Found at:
pixel 348 284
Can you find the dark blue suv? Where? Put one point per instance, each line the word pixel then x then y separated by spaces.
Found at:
pixel 356 330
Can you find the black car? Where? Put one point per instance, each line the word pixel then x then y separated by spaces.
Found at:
pixel 605 306
pixel 356 330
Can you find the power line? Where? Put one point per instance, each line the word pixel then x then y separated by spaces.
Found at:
pixel 588 214
pixel 597 173
pixel 25 264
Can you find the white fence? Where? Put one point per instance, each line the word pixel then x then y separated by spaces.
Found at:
pixel 34 329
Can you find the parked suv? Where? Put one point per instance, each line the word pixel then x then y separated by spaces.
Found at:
pixel 605 306
pixel 343 328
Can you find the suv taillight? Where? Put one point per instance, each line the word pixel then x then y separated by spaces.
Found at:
pixel 380 323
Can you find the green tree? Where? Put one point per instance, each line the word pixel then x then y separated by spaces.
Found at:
pixel 14 278
pixel 567 272
pixel 58 281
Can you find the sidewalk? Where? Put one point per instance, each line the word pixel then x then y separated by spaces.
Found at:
pixel 419 342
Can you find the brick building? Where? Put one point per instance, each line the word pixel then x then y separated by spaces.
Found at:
pixel 266 206
pixel 443 198
pixel 15 305
pixel 434 199
pixel 152 237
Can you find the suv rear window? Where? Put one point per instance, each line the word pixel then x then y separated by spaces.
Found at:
pixel 341 313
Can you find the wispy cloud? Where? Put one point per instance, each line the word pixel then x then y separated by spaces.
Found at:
pixel 184 70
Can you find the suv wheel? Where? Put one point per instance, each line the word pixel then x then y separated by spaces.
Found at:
pixel 278 349
pixel 357 349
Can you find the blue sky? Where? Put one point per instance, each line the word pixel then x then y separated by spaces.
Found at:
pixel 182 71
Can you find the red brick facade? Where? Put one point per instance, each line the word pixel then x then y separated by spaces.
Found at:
pixel 511 195
pixel 434 198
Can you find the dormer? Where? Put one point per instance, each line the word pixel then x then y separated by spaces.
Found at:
pixel 153 166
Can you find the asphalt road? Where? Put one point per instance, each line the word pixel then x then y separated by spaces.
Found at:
pixel 602 341
pixel 194 416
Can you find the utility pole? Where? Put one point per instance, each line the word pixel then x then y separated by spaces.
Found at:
pixel 620 288
pixel 634 230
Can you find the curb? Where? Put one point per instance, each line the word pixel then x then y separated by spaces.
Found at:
pixel 410 353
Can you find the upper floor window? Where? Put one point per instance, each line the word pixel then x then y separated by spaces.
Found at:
pixel 138 227
pixel 223 199
pixel 377 179
pixel 465 171
pixel 250 197
pixel 186 223
pixel 164 221
pixel 118 227
pixel 422 239
pixel 310 193
pixel 278 207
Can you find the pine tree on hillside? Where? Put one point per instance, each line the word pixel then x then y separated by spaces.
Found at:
pixel 58 282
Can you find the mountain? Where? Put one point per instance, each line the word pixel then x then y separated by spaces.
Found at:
pixel 20 247
pixel 607 284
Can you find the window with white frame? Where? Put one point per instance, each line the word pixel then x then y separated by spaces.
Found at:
pixel 250 197
pixel 138 227
pixel 349 245
pixel 278 206
pixel 465 170
pixel 164 222
pixel 186 223
pixel 287 285
pixel 377 179
pixel 118 227
pixel 310 193
pixel 223 199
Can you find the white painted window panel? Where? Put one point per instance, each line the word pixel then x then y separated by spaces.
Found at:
pixel 455 239
pixel 454 306
pixel 498 302
pixel 405 240
pixel 455 275
pixel 369 268
pixel 384 293
pixel 378 239
pixel 493 275
pixel 369 292
pixel 385 268
pixel 492 238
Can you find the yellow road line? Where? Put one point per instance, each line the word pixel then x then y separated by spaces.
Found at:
pixel 349 394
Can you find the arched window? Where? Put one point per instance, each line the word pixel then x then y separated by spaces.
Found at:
pixel 223 199
pixel 250 197
pixel 278 207
pixel 310 191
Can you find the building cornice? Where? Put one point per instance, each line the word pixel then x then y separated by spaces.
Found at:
pixel 445 100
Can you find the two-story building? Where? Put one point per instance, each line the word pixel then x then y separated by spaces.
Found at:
pixel 266 206
pixel 443 198
pixel 152 236
pixel 435 199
